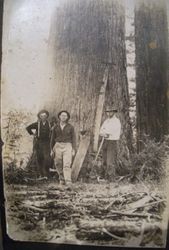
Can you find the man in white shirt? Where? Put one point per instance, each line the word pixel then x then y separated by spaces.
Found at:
pixel 110 130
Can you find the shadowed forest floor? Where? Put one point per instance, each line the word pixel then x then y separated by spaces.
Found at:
pixel 101 213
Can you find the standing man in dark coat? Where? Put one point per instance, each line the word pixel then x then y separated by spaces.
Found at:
pixel 41 132
pixel 63 147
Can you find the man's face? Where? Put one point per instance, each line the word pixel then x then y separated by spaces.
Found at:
pixel 63 117
pixel 110 114
pixel 43 117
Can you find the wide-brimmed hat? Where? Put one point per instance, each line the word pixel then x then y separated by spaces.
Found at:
pixel 42 112
pixel 64 111
pixel 110 109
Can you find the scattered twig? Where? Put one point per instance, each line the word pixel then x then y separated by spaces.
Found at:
pixel 34 208
pixel 112 235
pixel 123 177
pixel 142 233
pixel 36 179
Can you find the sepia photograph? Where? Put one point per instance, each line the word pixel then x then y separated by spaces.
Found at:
pixel 85 121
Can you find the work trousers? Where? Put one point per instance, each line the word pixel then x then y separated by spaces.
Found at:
pixel 63 160
pixel 109 159
pixel 43 157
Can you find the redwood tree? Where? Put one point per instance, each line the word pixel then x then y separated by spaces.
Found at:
pixel 151 69
pixel 87 35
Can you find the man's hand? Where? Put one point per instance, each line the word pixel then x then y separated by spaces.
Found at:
pixel 105 135
pixel 52 153
pixel 34 135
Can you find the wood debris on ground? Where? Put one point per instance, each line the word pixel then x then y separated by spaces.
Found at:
pixel 101 214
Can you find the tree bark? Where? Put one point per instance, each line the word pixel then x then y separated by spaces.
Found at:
pixel 151 70
pixel 87 35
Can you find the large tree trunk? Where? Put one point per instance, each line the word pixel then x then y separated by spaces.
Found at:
pixel 88 34
pixel 151 69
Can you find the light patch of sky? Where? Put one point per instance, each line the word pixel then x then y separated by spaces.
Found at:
pixel 130 49
pixel 26 65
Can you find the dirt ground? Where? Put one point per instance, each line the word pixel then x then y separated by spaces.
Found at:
pixel 120 214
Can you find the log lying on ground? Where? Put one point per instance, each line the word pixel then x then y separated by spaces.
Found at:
pixel 95 229
pixel 106 229
pixel 120 226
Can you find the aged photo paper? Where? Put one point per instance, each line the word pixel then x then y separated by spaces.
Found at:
pixel 85 121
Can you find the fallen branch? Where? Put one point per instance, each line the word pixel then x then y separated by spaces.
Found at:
pixel 142 233
pixel 123 177
pixel 112 235
pixel 34 208
pixel 147 215
pixel 35 179
pixel 142 199
pixel 38 197
pixel 33 193
pixel 139 202
pixel 146 205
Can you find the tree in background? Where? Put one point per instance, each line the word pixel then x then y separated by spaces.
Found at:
pixel 151 70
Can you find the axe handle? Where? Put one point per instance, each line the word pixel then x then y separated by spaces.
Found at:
pixel 98 152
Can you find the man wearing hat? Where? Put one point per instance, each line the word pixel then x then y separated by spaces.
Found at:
pixel 63 145
pixel 110 130
pixel 41 131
